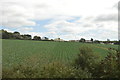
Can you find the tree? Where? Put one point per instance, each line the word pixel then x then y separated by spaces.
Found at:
pixel 45 38
pixel 82 40
pixel 92 39
pixel 37 38
pixel 86 59
pixel 108 40
pixel 96 41
pixel 26 37
pixel 59 39
pixel 52 40
pixel 16 35
pixel 5 34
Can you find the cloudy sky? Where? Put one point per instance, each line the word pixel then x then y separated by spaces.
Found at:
pixel 67 19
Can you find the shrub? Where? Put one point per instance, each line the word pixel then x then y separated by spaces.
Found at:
pixel 59 70
pixel 86 59
pixel 110 66
pixel 51 70
pixel 19 71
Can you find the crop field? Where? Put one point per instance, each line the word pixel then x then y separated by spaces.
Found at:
pixel 43 52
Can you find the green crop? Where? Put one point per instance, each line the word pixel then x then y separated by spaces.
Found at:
pixel 43 52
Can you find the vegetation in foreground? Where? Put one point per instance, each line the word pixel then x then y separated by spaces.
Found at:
pixel 109 67
pixel 85 66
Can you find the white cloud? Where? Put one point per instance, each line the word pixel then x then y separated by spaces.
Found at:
pixel 108 17
pixel 25 29
pixel 93 14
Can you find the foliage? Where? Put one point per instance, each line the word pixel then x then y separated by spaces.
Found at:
pixel 20 71
pixel 86 59
pixel 108 67
pixel 51 70
pixel 37 38
pixel 26 37
pixel 5 34
pixel 15 35
pixel 45 39
pixel 92 39
pixel 96 41
pixel 82 40
pixel 59 70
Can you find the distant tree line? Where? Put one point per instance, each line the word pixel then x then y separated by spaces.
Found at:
pixel 97 41
pixel 91 40
pixel 16 35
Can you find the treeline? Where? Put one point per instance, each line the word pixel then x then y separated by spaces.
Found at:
pixel 97 41
pixel 115 42
pixel 16 35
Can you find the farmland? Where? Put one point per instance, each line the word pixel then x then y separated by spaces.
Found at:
pixel 30 52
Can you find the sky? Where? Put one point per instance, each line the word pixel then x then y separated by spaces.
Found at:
pixel 67 19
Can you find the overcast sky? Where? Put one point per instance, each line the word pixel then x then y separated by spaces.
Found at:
pixel 67 19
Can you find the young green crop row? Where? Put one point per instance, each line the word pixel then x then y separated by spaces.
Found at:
pixel 25 51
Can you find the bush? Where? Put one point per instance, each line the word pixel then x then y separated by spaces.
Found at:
pixel 20 71
pixel 86 59
pixel 51 70
pixel 108 67
pixel 59 70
